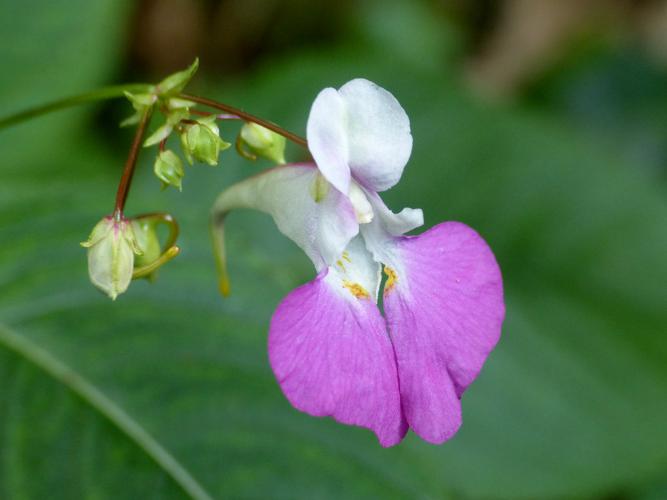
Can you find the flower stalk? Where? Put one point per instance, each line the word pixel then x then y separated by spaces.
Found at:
pixel 247 117
pixel 130 164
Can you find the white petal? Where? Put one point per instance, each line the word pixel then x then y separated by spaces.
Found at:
pixel 355 274
pixel 378 134
pixel 362 207
pixel 327 138
pixel 306 209
pixel 386 225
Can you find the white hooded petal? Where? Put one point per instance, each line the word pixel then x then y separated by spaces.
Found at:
pixel 361 129
pixel 327 138
pixel 378 134
pixel 306 209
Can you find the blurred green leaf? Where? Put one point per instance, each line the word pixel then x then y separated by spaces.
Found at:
pixel 53 50
pixel 571 404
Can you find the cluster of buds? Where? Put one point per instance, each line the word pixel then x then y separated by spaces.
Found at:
pixel 122 249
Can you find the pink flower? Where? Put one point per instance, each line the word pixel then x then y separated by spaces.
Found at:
pixel 332 351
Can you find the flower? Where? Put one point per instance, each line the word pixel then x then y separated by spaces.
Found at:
pixel 112 246
pixel 332 351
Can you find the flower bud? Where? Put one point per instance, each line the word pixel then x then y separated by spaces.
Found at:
pixel 111 250
pixel 264 142
pixel 147 241
pixel 201 142
pixel 168 168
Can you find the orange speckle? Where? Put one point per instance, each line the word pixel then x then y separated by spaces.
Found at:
pixel 392 278
pixel 356 289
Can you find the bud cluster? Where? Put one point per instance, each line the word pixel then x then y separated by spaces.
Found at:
pixel 121 249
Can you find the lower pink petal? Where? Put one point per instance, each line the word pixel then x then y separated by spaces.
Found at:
pixel 332 357
pixel 444 309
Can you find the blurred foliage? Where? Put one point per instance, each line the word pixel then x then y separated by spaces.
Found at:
pixel 616 96
pixel 571 404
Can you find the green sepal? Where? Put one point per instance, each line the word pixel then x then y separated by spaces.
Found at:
pixel 178 103
pixel 159 135
pixel 176 82
pixel 141 101
pixel 131 120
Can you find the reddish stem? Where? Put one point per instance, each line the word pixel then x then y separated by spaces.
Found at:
pixel 130 164
pixel 247 117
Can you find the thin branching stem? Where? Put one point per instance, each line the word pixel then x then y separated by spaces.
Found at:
pixel 68 102
pixel 247 117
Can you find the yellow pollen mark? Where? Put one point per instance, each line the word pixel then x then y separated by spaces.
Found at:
pixel 341 265
pixel 346 256
pixel 319 188
pixel 356 289
pixel 392 278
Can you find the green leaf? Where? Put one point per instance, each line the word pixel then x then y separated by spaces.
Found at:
pixel 31 359
pixel 54 51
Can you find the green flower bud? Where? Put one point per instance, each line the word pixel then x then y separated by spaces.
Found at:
pixel 148 242
pixel 201 141
pixel 263 142
pixel 168 168
pixel 111 250
pixel 176 82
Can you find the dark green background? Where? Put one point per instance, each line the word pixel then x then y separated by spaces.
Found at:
pixel 572 403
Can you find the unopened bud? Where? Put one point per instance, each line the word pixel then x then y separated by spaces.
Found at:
pixel 148 242
pixel 111 250
pixel 168 168
pixel 201 141
pixel 263 142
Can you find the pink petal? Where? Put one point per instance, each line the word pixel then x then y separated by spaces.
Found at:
pixel 444 310
pixel 332 357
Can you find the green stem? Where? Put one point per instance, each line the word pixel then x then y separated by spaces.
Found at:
pixel 96 399
pixel 67 102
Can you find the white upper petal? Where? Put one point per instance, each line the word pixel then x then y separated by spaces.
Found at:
pixel 361 129
pixel 378 134
pixel 327 138
pixel 306 209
